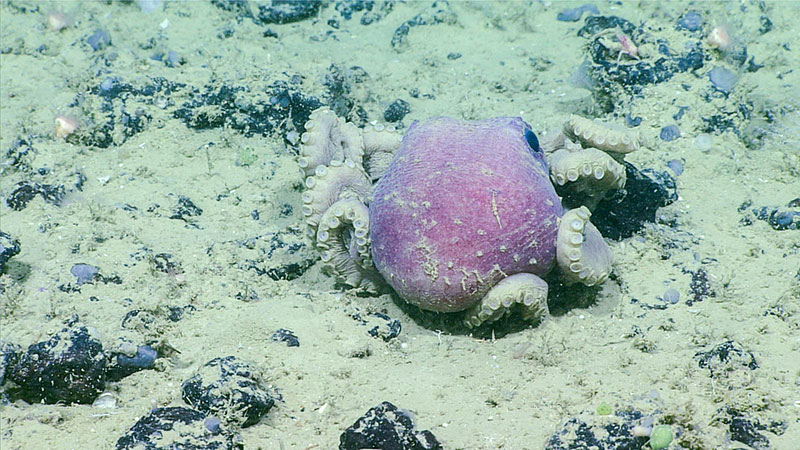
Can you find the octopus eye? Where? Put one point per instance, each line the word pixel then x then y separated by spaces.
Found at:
pixel 533 141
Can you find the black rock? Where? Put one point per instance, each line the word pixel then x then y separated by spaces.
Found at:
pixel 387 428
pixel 726 357
pixel 379 325
pixel 232 109
pixel 284 255
pixel 593 431
pixel 284 335
pixel 229 388
pixel 780 219
pixel 185 209
pixel 238 6
pixel 8 357
pixel 699 287
pixel 27 190
pixel 123 365
pixel 8 248
pixel 70 367
pixel 396 111
pixel 629 209
pixel 748 430
pixel 176 428
pixel 288 11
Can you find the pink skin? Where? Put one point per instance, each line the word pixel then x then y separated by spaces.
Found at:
pixel 628 47
pixel 463 205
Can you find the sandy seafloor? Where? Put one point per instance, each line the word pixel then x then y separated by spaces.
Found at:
pixel 512 392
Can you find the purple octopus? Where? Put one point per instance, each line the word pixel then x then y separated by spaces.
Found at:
pixel 459 215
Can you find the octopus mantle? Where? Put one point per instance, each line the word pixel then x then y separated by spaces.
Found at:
pixel 462 206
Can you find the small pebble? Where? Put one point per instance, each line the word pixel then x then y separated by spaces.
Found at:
pixel 173 59
pixel 670 133
pixel 574 14
pixel 212 424
pixel 692 21
pixel 107 84
pixel 722 79
pixel 99 40
pixel 145 358
pixel 704 142
pixel 672 296
pixel 84 272
pixel 105 400
pixel 676 165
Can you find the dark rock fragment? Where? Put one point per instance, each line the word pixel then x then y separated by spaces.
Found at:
pixel 185 209
pixel 238 6
pixel 284 255
pixel 70 367
pixel 27 190
pixel 9 247
pixel 590 431
pixel 176 428
pixel 780 219
pixel 725 357
pixel 396 111
pixel 748 430
pixel 287 336
pixel 233 109
pixel 288 11
pixel 387 428
pixel 379 325
pixel 123 365
pixel 699 287
pixel 627 210
pixel 230 389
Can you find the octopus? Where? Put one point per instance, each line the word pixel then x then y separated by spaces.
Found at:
pixel 460 215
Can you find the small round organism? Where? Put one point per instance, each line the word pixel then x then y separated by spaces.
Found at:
pixel 660 437
pixel 604 409
pixel 65 126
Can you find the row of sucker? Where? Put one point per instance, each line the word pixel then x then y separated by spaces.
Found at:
pixel 603 136
pixel 581 253
pixel 525 290
pixel 589 172
pixel 343 239
pixel 328 139
pixel 340 180
pixel 380 143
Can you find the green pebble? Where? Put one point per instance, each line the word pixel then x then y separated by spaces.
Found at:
pixel 660 437
pixel 604 409
pixel 247 156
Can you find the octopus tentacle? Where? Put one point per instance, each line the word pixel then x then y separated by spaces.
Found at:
pixel 343 238
pixel 600 135
pixel 589 172
pixel 331 183
pixel 380 143
pixel 525 290
pixel 581 252
pixel 327 139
